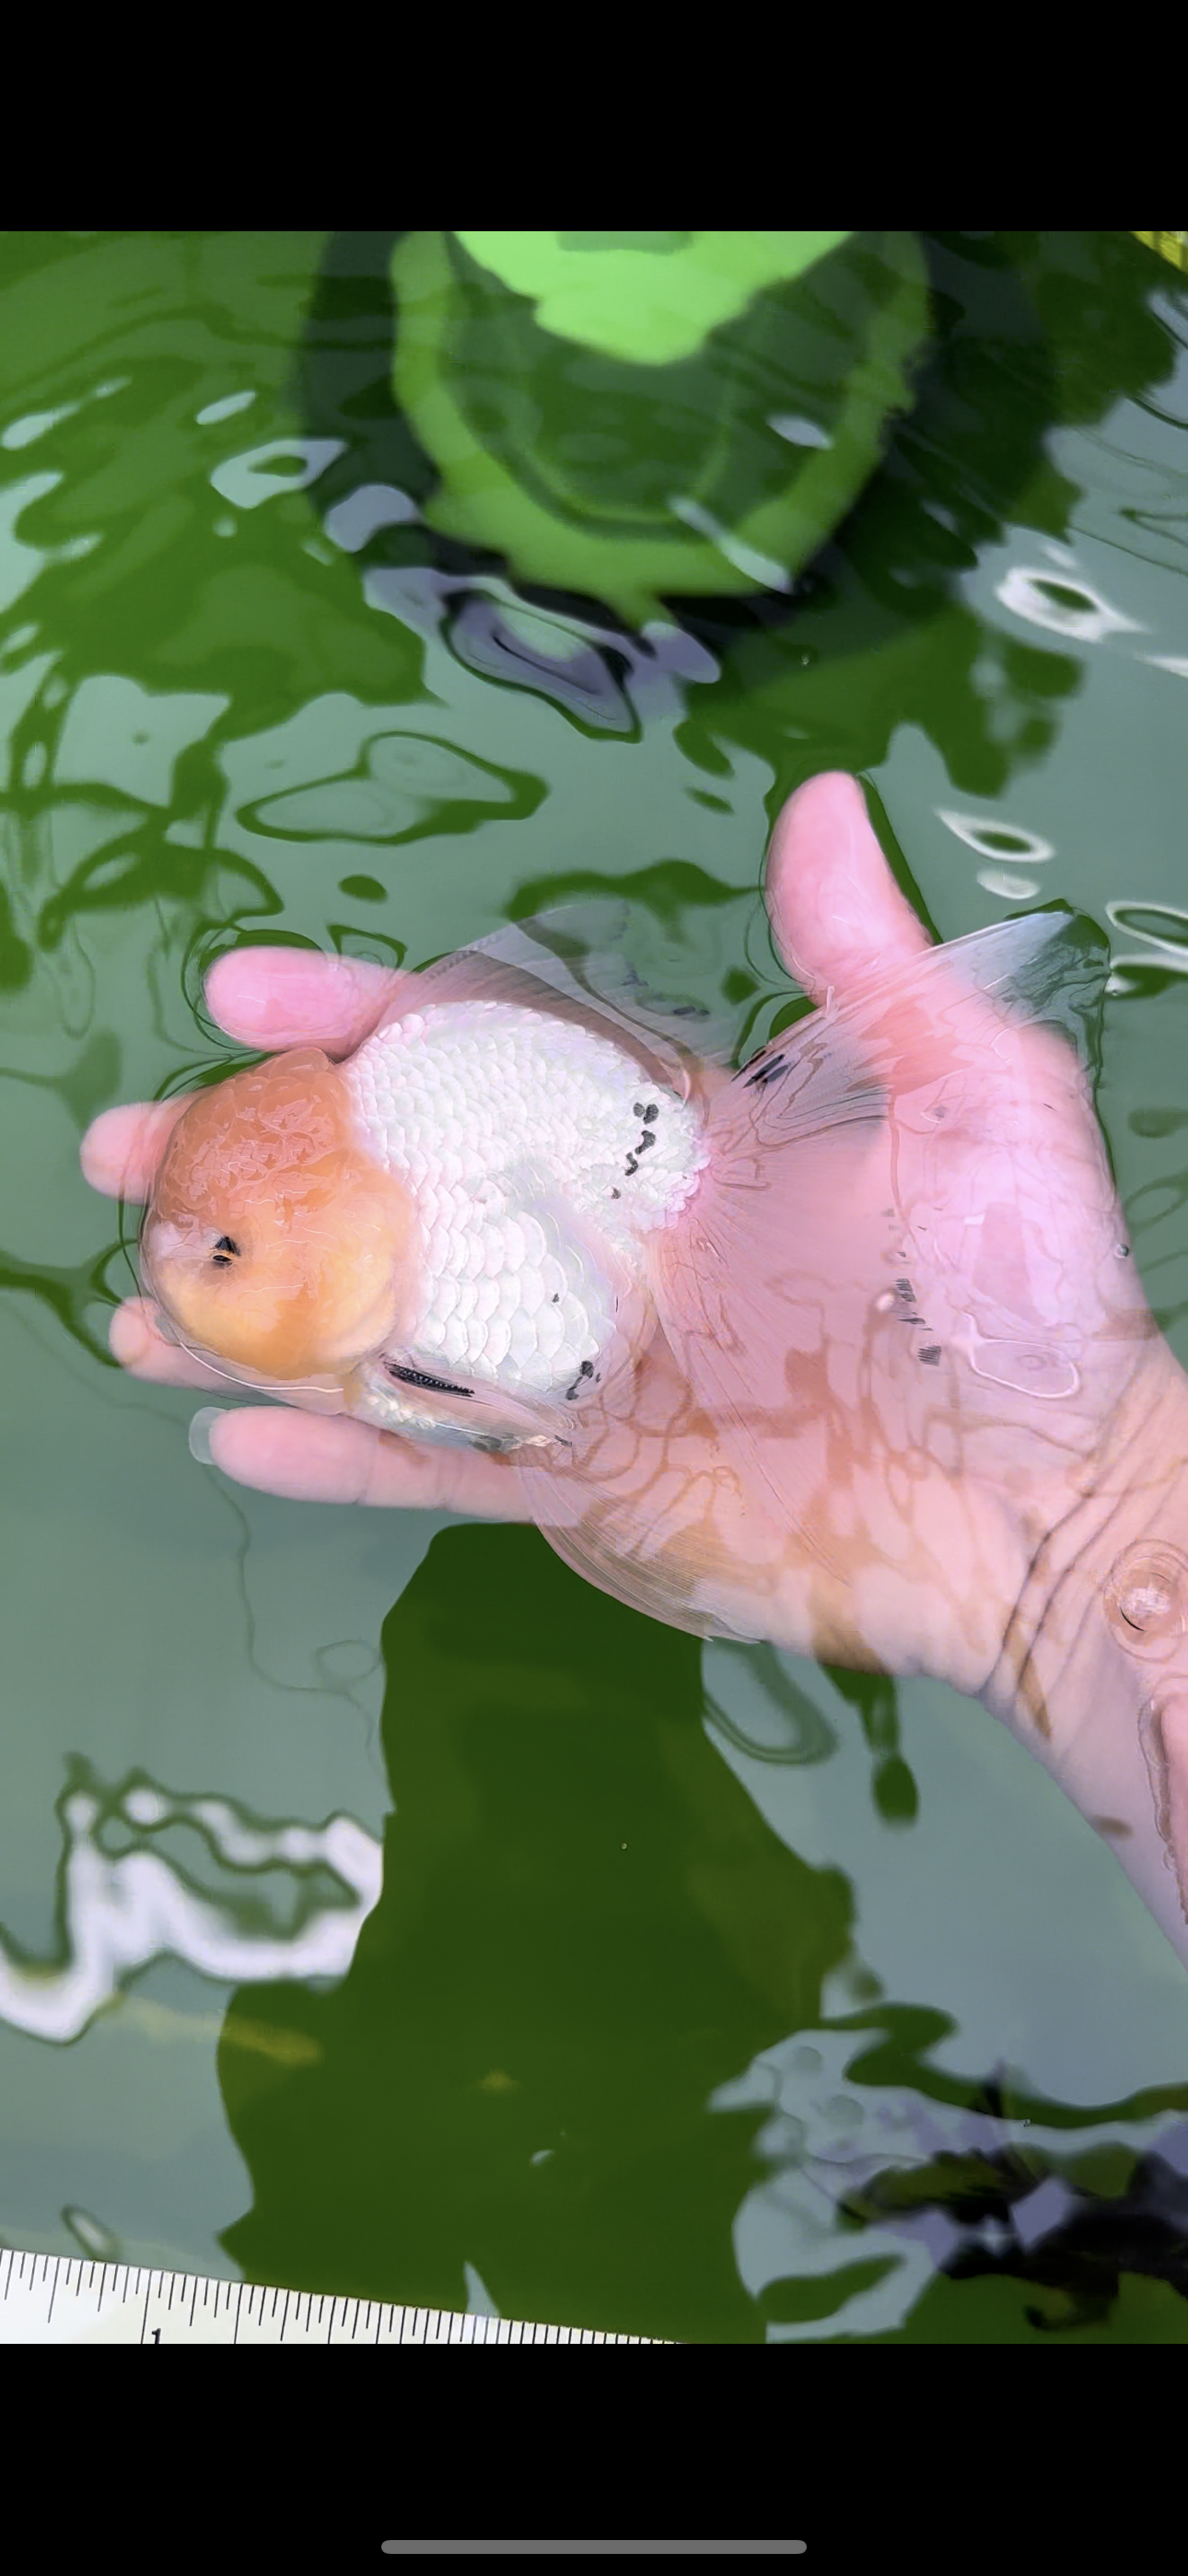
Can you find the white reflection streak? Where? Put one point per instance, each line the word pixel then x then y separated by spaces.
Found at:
pixel 34 424
pixel 352 523
pixel 1172 951
pixel 242 480
pixel 122 1913
pixel 1009 842
pixel 1081 614
pixel 746 559
pixel 1013 889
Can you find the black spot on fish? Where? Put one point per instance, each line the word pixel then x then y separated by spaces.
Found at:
pixel 652 1111
pixel 766 1073
pixel 646 1139
pixel 616 1194
pixel 637 1109
pixel 904 1288
pixel 419 1377
pixel 586 1369
pixel 931 1357
pixel 557 1292
pixel 629 1167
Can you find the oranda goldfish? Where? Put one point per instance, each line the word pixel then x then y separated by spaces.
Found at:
pixel 531 1214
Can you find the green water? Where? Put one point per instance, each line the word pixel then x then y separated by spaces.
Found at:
pixel 698 1993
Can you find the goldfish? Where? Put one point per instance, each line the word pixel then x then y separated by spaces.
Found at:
pixel 536 1212
pixel 448 1234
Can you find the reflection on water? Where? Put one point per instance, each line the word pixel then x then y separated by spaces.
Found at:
pixel 616 2027
pixel 876 2190
pixel 121 1911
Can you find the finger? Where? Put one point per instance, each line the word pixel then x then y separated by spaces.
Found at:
pixel 134 1340
pixel 281 997
pixel 122 1147
pixel 837 915
pixel 328 1459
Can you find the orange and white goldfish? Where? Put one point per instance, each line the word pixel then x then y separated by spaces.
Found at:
pixel 531 1214
pixel 446 1235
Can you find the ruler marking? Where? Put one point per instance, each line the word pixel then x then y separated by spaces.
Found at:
pixel 123 2297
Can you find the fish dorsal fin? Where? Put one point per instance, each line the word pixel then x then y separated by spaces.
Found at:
pixel 577 962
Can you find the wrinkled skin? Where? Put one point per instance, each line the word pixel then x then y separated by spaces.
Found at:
pixel 1026 1549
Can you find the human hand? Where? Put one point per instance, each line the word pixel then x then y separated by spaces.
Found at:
pixel 939 1481
pixel 840 923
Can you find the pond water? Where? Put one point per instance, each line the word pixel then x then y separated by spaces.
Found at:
pixel 382 1911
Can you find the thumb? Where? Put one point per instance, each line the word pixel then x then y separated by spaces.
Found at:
pixel 837 915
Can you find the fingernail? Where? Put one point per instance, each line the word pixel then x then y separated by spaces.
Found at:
pixel 200 1447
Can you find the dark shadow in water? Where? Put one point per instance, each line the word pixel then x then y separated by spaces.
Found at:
pixel 585 1929
pixel 1108 2251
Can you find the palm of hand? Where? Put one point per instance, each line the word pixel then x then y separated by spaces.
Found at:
pixel 900 1323
pixel 899 1320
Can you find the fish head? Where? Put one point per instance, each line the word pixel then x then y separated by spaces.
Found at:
pixel 275 1243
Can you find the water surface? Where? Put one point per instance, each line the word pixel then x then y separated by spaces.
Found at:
pixel 381 1910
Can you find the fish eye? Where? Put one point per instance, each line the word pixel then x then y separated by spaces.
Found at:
pixel 225 1252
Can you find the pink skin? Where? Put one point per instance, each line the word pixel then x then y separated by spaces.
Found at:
pixel 1074 1686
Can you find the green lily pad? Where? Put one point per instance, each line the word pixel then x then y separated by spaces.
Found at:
pixel 715 472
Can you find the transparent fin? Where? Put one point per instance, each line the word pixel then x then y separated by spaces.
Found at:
pixel 646 1504
pixel 588 962
pixel 902 1279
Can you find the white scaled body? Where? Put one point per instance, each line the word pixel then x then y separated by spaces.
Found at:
pixel 539 1157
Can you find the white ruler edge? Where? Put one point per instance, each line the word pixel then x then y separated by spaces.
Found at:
pixel 57 2298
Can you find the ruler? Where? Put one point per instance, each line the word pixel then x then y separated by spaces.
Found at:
pixel 54 2298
